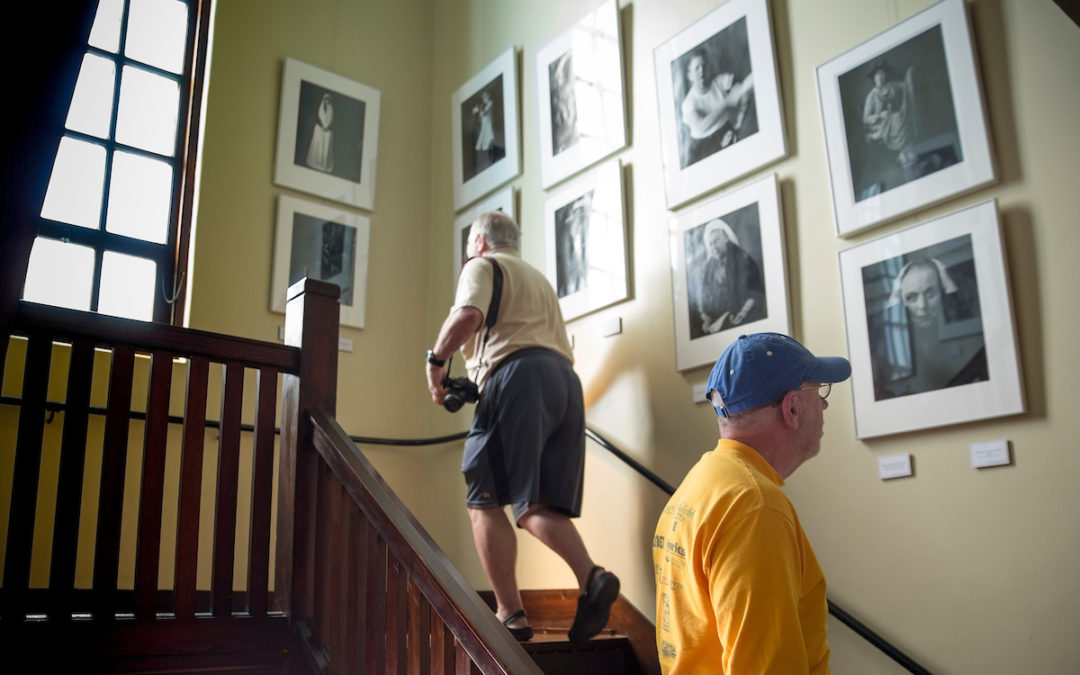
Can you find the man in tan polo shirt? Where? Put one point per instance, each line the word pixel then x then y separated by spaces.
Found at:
pixel 526 447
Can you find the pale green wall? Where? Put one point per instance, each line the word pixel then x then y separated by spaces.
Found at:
pixel 970 571
pixel 386 46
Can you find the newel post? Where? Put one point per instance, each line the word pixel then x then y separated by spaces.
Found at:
pixel 311 323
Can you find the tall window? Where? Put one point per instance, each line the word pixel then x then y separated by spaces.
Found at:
pixel 112 235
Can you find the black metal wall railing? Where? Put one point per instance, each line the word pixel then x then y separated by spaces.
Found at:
pixel 842 616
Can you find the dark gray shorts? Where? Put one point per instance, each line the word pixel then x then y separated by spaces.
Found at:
pixel 527 441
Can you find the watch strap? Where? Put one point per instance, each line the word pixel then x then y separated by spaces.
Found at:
pixel 433 360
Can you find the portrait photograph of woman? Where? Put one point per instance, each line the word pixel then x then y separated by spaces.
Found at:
pixel 929 324
pixel 899 116
pixel 923 320
pixel 728 272
pixel 904 120
pixel 719 100
pixel 328 135
pixel 714 94
pixel 329 132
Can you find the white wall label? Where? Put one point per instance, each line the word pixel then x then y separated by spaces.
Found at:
pixel 990 453
pixel 894 466
pixel 698 392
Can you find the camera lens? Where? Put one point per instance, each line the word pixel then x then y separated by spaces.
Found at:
pixel 453 403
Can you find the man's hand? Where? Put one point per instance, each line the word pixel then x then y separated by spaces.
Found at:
pixel 436 375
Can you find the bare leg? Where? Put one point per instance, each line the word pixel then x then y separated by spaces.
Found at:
pixel 558 533
pixel 496 544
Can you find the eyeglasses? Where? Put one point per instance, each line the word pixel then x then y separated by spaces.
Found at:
pixel 823 390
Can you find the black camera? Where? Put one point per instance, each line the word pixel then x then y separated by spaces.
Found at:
pixel 462 391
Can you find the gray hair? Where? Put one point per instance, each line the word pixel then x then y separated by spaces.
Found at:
pixel 499 230
pixel 739 420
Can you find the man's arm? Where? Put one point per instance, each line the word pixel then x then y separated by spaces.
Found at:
pixel 458 327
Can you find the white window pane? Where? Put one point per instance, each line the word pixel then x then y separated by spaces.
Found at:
pixel 148 109
pixel 139 197
pixel 157 33
pixel 106 31
pixel 91 105
pixel 76 183
pixel 59 274
pixel 127 286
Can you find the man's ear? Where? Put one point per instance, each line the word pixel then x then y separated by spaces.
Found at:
pixel 790 409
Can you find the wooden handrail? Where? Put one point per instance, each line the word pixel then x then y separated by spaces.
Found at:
pixel 488 644
pixel 60 323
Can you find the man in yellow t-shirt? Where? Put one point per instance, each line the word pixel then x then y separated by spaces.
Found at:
pixel 738 588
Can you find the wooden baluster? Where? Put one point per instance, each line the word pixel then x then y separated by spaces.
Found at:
pixel 261 492
pixel 351 601
pixel 153 480
pixel 442 647
pixel 191 469
pixel 463 664
pixel 311 323
pixel 324 600
pixel 337 605
pixel 232 400
pixel 69 484
pixel 24 484
pixel 397 608
pixel 111 492
pixel 419 631
pixel 376 590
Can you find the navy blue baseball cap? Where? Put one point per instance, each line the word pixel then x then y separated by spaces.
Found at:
pixel 760 368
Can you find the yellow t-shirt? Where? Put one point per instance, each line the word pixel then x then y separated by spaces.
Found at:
pixel 529 314
pixel 738 587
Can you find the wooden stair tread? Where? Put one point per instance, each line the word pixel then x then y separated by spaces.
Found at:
pixel 544 638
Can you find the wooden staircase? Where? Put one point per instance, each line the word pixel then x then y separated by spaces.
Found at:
pixel 358 586
pixel 625 647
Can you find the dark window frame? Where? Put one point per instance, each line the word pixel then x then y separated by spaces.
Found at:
pixel 172 257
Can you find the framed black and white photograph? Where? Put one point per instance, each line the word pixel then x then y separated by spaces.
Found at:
pixel 904 121
pixel 328 135
pixel 929 325
pixel 580 95
pixel 720 113
pixel 728 275
pixel 585 241
pixel 484 130
pixel 503 200
pixel 320 242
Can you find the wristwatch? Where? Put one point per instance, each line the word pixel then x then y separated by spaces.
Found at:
pixel 433 360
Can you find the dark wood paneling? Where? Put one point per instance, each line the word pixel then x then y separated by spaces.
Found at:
pixel 261 491
pixel 376 589
pixel 397 616
pixel 191 470
pixel 488 643
pixel 419 632
pixel 70 481
pixel 113 471
pixel 232 400
pixel 153 482
pixel 24 485
pixel 168 645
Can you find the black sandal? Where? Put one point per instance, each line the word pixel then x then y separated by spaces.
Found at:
pixel 594 605
pixel 520 634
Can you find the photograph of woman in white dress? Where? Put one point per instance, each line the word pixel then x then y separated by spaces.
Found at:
pixel 899 117
pixel 482 133
pixel 329 132
pixel 923 320
pixel 713 85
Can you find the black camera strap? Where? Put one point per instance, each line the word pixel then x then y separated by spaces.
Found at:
pixel 493 309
